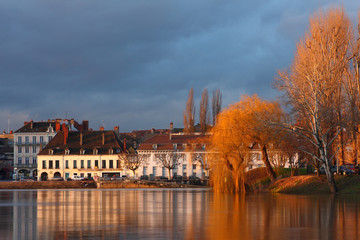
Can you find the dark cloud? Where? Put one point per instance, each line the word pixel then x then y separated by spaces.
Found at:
pixel 132 63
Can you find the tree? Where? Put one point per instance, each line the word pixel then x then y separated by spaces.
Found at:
pixel 189 113
pixel 216 105
pixel 204 111
pixel 312 84
pixel 133 161
pixel 237 128
pixel 169 160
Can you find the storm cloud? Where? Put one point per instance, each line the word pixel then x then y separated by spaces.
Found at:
pixel 132 63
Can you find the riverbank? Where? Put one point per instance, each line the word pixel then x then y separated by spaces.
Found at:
pixel 311 184
pixel 92 184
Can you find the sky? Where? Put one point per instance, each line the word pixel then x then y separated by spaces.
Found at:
pixel 132 63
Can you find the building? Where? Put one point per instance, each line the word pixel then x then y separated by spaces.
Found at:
pixel 81 153
pixel 30 139
pixel 6 155
pixel 184 155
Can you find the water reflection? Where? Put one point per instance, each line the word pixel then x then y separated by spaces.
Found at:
pixel 175 214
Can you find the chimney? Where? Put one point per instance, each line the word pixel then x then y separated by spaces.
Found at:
pixel 124 144
pixel 81 138
pixel 171 126
pixel 152 130
pixel 57 126
pixel 103 138
pixel 116 130
pixel 85 124
pixel 101 128
pixel 31 124
pixel 66 132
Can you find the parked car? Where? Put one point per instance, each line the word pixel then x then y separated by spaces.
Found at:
pixel 194 180
pixel 177 178
pixel 144 177
pixel 162 178
pixel 57 179
pixel 346 171
pixel 334 170
pixel 76 178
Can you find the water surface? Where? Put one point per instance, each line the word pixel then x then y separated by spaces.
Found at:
pixel 175 214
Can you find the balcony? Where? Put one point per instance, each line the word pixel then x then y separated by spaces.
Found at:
pixel 16 165
pixel 30 143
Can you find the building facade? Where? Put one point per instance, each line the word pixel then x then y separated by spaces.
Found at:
pixel 174 154
pixel 28 141
pixel 86 154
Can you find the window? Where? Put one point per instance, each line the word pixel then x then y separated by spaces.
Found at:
pixel 34 160
pixel 19 149
pixel 41 139
pixel 174 146
pixel 194 166
pixel 67 151
pixel 49 138
pixel 88 163
pixel 103 163
pixel 27 140
pixel 96 164
pixel 163 171
pixel 82 175
pixel 144 170
pixel 74 164
pixel 82 151
pixel 95 151
pixel 34 149
pixel 154 170
pixel 118 164
pixel 19 140
pixel 26 149
pixel 34 139
pixel 44 164
pixel 203 146
pixel 111 165
pixel 57 164
pixel 154 146
pixel 19 160
pixel 82 164
pixel 50 164
pixel 27 161
pixel 66 163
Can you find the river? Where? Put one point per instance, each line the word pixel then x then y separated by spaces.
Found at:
pixel 175 214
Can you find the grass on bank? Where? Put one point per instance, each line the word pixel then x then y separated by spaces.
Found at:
pixel 258 181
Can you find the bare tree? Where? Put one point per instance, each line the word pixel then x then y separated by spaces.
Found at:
pixel 203 160
pixel 311 85
pixel 169 160
pixel 204 111
pixel 216 104
pixel 189 113
pixel 133 161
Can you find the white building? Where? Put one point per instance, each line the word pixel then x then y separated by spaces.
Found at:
pixel 188 150
pixel 28 141
pixel 81 153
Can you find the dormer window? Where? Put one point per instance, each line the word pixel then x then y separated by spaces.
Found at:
pixel 111 151
pixel 203 146
pixel 194 145
pixel 50 129
pixel 67 151
pixel 174 146
pixel 82 151
pixel 51 152
pixel 95 151
pixel 184 145
pixel 154 146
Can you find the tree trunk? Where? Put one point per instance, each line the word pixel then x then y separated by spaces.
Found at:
pixel 354 150
pixel 134 173
pixel 169 169
pixel 266 161
pixel 330 178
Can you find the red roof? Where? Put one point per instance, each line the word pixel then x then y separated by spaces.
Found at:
pixel 167 142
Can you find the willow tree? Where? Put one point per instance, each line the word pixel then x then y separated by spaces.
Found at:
pixel 238 127
pixel 312 84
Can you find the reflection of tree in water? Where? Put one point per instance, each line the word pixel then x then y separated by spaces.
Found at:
pixel 267 216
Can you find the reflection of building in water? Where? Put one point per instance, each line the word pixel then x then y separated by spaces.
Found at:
pixel 124 213
pixel 24 215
